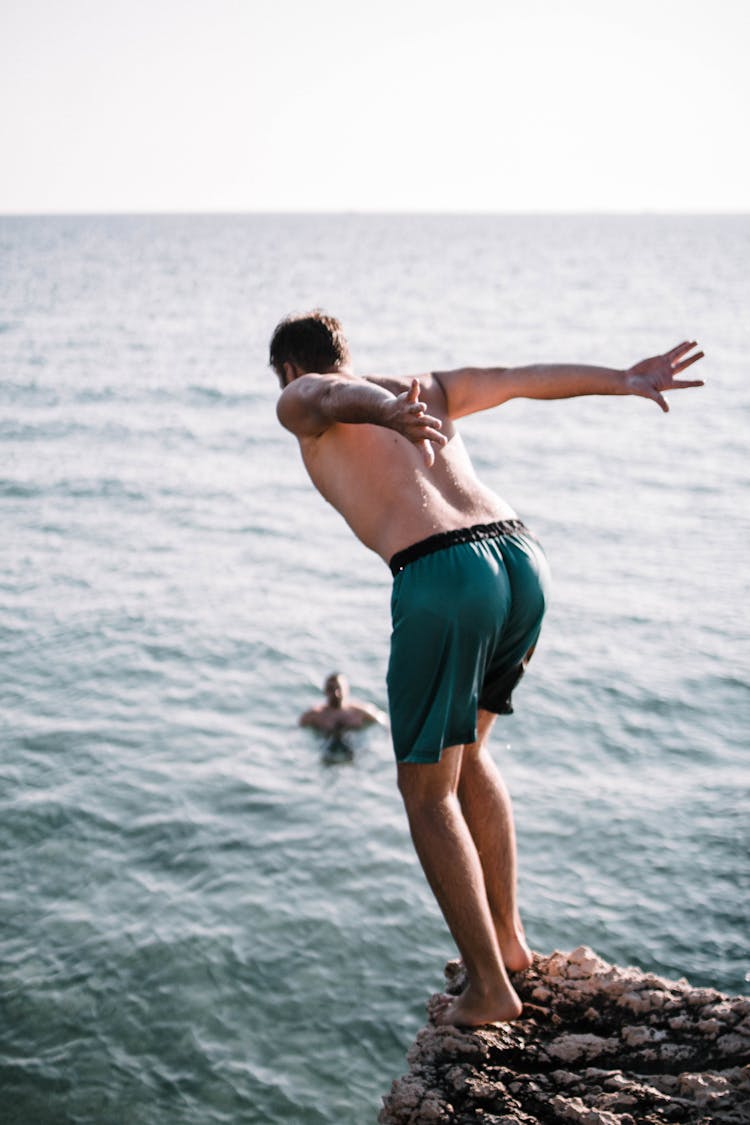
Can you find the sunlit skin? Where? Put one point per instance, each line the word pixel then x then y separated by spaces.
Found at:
pixel 384 451
pixel 341 712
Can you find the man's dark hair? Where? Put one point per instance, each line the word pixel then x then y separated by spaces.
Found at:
pixel 314 341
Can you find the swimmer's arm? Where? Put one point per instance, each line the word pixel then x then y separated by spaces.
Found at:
pixel 471 389
pixel 309 719
pixel 369 713
pixel 311 404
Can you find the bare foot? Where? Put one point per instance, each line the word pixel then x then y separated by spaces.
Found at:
pixel 516 953
pixel 437 1004
pixel 472 1010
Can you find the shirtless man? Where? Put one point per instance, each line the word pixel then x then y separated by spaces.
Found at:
pixel 470 587
pixel 340 712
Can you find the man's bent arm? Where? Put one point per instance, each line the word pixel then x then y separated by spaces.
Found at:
pixel 309 719
pixel 311 404
pixel 469 390
pixel 371 714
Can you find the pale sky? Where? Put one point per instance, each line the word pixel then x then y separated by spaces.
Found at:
pixel 417 105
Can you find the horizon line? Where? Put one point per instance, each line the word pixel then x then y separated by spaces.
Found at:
pixel 375 212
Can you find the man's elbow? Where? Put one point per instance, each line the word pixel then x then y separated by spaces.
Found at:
pixel 300 412
pixel 284 413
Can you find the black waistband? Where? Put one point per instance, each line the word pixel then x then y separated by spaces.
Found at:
pixel 449 538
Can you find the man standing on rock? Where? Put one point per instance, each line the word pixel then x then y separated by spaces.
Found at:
pixel 469 593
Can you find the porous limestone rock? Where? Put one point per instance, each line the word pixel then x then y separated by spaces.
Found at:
pixel 596 1044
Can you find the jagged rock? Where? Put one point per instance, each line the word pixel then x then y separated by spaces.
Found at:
pixel 596 1044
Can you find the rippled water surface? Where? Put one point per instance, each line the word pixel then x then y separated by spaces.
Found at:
pixel 202 920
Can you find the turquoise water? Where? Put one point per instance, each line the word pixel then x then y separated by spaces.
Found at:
pixel 202 921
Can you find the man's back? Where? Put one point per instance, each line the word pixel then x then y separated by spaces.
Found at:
pixel 378 480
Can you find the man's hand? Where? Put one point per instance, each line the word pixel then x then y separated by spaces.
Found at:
pixel 409 417
pixel 652 376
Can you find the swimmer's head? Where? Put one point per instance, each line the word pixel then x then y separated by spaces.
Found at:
pixel 311 342
pixel 336 689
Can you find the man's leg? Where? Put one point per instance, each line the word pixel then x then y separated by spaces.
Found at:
pixel 452 865
pixel 486 806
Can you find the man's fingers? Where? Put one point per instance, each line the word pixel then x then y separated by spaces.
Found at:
pixel 649 390
pixel 426 419
pixel 427 433
pixel 428 453
pixel 680 349
pixel 427 439
pixel 680 384
pixel 419 426
pixel 677 367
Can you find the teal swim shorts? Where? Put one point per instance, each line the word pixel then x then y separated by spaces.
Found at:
pixel 467 610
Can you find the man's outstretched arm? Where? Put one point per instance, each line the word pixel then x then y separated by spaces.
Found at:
pixel 471 389
pixel 369 714
pixel 311 404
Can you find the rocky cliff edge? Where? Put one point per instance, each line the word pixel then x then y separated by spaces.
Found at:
pixel 596 1044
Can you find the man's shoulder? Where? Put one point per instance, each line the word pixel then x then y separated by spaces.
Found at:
pixel 367 711
pixel 296 405
pixel 314 716
pixel 430 387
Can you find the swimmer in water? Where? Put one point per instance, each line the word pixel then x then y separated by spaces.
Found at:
pixel 341 713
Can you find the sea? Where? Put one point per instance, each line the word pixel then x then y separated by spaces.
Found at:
pixel 204 917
